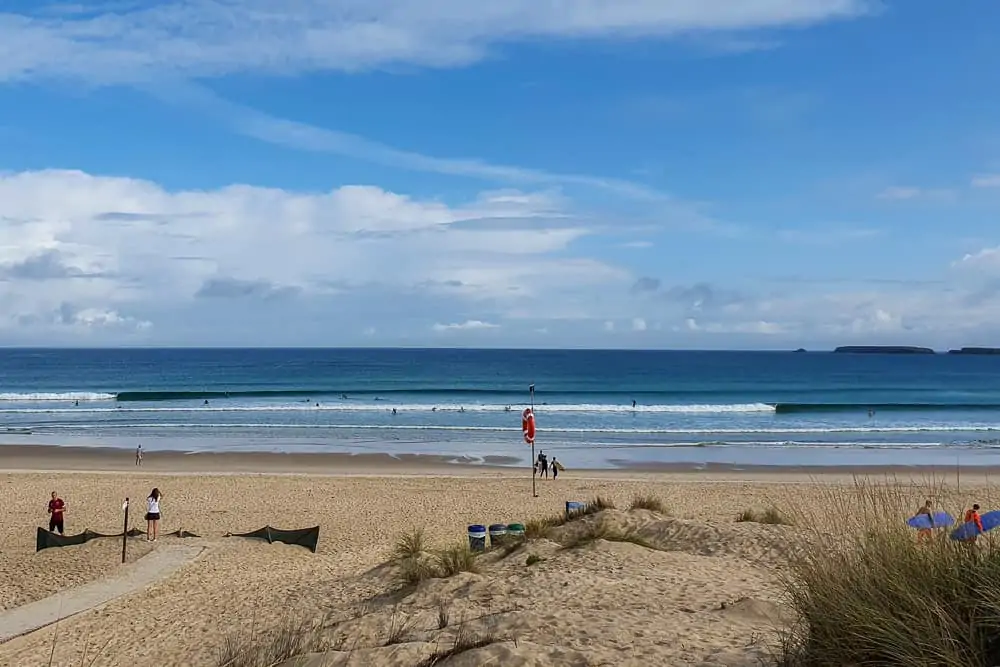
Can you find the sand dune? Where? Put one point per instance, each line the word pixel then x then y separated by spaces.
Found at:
pixel 706 594
pixel 603 603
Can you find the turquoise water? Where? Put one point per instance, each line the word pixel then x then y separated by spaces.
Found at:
pixel 700 407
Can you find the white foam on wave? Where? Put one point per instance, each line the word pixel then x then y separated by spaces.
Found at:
pixel 387 407
pixel 57 396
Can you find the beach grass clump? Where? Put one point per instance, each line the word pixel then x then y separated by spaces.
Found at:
pixel 409 545
pixel 415 565
pixel 292 639
pixel 601 530
pixel 598 504
pixel 533 559
pixel 875 595
pixel 648 502
pixel 464 640
pixel 414 570
pixel 455 560
pixel 771 515
pixel 538 529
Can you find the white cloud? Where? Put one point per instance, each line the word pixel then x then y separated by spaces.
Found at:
pixel 904 193
pixel 899 193
pixel 830 236
pixel 468 325
pixel 985 259
pixel 301 136
pixel 986 181
pixel 759 327
pixel 112 259
pixel 107 42
pixel 110 252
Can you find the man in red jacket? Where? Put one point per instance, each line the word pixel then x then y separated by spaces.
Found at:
pixel 56 510
pixel 973 517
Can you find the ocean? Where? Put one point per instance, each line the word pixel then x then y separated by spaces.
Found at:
pixel 741 408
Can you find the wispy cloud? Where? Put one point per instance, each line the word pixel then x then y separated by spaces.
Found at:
pixel 986 181
pixel 128 42
pixel 897 193
pixel 301 136
pixel 468 325
pixel 905 193
pixel 830 236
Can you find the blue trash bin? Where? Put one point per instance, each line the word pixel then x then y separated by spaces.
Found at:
pixel 574 508
pixel 477 537
pixel 498 535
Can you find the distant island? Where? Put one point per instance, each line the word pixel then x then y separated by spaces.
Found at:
pixel 883 349
pixel 976 350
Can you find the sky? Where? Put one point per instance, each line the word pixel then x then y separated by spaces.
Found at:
pixel 695 174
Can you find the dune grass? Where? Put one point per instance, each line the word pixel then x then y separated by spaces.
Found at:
pixel 409 545
pixel 463 641
pixel 454 560
pixel 538 529
pixel 873 595
pixel 598 504
pixel 415 563
pixel 292 639
pixel 771 515
pixel 600 530
pixel 648 502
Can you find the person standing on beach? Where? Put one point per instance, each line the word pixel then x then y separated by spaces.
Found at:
pixel 543 462
pixel 138 455
pixel 57 508
pixel 555 468
pixel 153 514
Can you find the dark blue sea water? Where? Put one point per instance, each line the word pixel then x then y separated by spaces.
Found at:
pixel 733 407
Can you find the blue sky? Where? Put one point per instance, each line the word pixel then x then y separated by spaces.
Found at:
pixel 630 173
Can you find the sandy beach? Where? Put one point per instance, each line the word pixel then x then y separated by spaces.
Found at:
pixel 705 598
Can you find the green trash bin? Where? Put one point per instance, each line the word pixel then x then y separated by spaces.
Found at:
pixel 515 532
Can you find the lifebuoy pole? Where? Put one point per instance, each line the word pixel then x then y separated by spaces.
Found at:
pixel 531 393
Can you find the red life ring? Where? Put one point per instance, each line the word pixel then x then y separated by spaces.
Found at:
pixel 528 425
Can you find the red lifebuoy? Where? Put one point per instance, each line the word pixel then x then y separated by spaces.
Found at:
pixel 528 425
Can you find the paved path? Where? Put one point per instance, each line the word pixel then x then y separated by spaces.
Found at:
pixel 159 563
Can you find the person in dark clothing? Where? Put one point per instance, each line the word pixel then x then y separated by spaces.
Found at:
pixel 57 508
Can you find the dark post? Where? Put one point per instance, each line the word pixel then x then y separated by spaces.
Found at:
pixel 531 392
pixel 125 529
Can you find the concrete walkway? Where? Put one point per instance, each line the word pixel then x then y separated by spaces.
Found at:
pixel 159 563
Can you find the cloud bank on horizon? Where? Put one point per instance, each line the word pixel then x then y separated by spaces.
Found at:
pixel 627 173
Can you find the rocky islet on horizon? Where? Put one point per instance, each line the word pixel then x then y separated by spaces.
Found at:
pixel 907 349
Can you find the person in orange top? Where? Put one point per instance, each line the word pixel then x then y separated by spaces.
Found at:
pixel 972 516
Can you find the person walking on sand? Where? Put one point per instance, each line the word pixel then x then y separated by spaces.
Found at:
pixel 544 461
pixel 153 514
pixel 57 508
pixel 972 516
pixel 925 533
pixel 555 468
pixel 138 455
